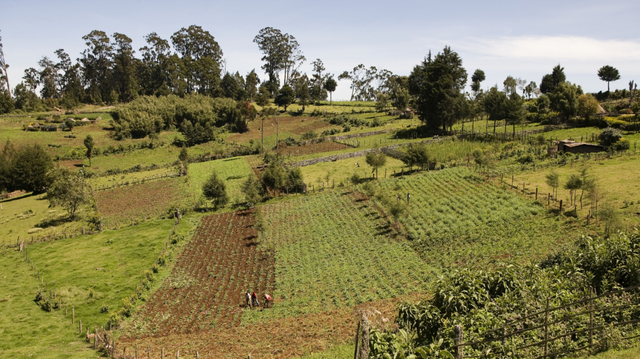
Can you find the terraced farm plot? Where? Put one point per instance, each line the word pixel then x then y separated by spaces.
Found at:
pixel 325 146
pixel 137 201
pixel 333 251
pixel 455 217
pixel 233 171
pixel 205 289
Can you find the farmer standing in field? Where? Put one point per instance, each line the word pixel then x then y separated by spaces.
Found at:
pixel 254 296
pixel 267 300
pixel 247 298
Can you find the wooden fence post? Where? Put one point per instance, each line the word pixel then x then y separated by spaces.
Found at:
pixel 459 337
pixel 560 206
pixel 546 329
pixel 590 316
pixel 362 339
pixel 197 355
pixel 162 354
pixel 178 354
pixel 536 193
pixel 148 352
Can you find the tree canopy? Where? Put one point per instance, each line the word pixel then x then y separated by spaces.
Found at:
pixel 437 84
pixel 608 73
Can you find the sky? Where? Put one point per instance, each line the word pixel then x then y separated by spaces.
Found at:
pixel 503 38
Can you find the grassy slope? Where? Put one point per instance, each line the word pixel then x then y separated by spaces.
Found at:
pixel 617 177
pixel 69 269
pixel 234 171
pixel 15 219
pixel 26 331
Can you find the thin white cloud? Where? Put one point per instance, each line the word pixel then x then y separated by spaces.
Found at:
pixel 556 47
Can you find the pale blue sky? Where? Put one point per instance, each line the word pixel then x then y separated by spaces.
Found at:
pixel 517 38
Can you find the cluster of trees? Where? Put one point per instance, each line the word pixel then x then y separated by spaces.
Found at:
pixel 190 62
pixel 276 178
pixel 30 168
pixel 197 116
pixel 435 89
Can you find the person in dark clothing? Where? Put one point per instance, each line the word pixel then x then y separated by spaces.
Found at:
pixel 254 296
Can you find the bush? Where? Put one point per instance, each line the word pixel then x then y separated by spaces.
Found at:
pixel 609 136
pixel 621 145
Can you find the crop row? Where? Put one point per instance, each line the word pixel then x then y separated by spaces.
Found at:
pixel 205 289
pixel 333 251
pixel 455 217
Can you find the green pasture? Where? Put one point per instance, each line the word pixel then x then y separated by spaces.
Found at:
pixel 26 331
pixel 119 179
pixel 20 214
pixel 233 171
pixel 616 177
pixel 340 172
pixel 333 251
pixel 91 273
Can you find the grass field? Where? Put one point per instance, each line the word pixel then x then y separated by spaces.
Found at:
pixel 20 214
pixel 92 273
pixel 234 171
pixel 617 180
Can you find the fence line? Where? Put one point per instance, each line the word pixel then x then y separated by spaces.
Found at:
pixel 588 328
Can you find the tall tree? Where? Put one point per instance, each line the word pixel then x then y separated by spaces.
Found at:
pixel 97 65
pixel 302 85
pixel 215 190
pixel 201 59
pixel 551 81
pixel 125 81
pixel 330 85
pixel 251 85
pixel 495 105
pixel 88 143
pixel 68 190
pixel 318 78
pixel 229 86
pixel 565 99
pixel 48 78
pixel 69 80
pixel 361 79
pixel 437 84
pixel 154 69
pixel 281 53
pixel 4 75
pixel 30 166
pixel 476 79
pixel 510 85
pixel 608 73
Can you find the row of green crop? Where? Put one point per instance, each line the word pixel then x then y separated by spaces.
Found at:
pixel 333 252
pixel 454 217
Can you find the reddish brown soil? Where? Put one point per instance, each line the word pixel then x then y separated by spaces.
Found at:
pixel 325 146
pixel 297 125
pixel 206 287
pixel 135 201
pixel 283 338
